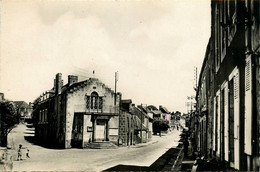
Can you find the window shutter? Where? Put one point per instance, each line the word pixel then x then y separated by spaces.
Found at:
pixel 226 122
pixel 236 120
pixel 248 107
pixel 214 126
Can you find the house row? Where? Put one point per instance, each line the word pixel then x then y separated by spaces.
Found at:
pixel 83 112
pixel 225 125
pixel 24 110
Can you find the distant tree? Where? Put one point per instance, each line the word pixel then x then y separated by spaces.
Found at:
pixel 160 125
pixel 8 119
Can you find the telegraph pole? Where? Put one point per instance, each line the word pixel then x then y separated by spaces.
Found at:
pixel 195 78
pixel 116 78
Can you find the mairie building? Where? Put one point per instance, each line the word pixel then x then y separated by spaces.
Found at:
pixel 76 114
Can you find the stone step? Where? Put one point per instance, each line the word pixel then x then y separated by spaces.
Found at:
pixel 101 145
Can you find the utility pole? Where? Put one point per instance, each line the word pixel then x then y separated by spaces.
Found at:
pixel 195 78
pixel 116 79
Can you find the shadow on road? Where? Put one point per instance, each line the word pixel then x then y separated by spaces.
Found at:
pixel 34 141
pixel 128 168
pixel 163 163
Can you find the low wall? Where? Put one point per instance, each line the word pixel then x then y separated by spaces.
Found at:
pixel 6 163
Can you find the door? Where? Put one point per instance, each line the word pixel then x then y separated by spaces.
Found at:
pixel 100 130
pixel 77 131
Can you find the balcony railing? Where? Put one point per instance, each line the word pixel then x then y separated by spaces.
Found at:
pixel 108 109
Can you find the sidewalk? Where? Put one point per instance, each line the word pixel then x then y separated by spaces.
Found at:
pixel 188 161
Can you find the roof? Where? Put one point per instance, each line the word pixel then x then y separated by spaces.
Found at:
pixel 137 111
pixel 205 60
pixel 152 107
pixel 67 87
pixel 126 101
pixel 20 104
pixel 164 110
pixel 156 112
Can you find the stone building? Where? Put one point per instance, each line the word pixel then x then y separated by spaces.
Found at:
pixel 226 121
pixel 127 124
pixel 76 114
pixel 156 113
pixel 135 126
pixel 165 113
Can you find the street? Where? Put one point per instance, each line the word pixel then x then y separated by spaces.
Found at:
pixel 86 159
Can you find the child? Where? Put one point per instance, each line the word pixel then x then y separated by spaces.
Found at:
pixel 19 153
pixel 27 153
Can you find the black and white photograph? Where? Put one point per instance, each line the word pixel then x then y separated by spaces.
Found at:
pixel 129 85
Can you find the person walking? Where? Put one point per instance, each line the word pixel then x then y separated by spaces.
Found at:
pixel 186 146
pixel 19 153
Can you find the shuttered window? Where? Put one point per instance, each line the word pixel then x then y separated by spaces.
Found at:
pixel 248 75
pixel 248 107
pixel 236 91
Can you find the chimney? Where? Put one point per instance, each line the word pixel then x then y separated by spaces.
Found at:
pixel 54 85
pixel 72 79
pixel 160 107
pixel 59 83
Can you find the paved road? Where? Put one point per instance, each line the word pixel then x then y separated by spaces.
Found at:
pixel 87 159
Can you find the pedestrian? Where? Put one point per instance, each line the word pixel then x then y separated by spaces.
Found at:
pixel 19 153
pixel 27 153
pixel 186 146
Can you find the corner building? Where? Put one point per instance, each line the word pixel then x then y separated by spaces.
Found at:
pixel 77 113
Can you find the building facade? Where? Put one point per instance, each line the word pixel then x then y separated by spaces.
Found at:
pixel 24 110
pixel 77 113
pixel 226 122
pixel 135 125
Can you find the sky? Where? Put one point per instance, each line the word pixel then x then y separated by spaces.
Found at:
pixel 154 46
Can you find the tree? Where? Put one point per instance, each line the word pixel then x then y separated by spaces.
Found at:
pixel 160 125
pixel 8 119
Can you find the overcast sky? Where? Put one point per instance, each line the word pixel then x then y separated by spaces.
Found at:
pixel 154 45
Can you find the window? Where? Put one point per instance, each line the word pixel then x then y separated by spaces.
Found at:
pixel 88 102
pixel 94 100
pixel 100 102
pixel 40 116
